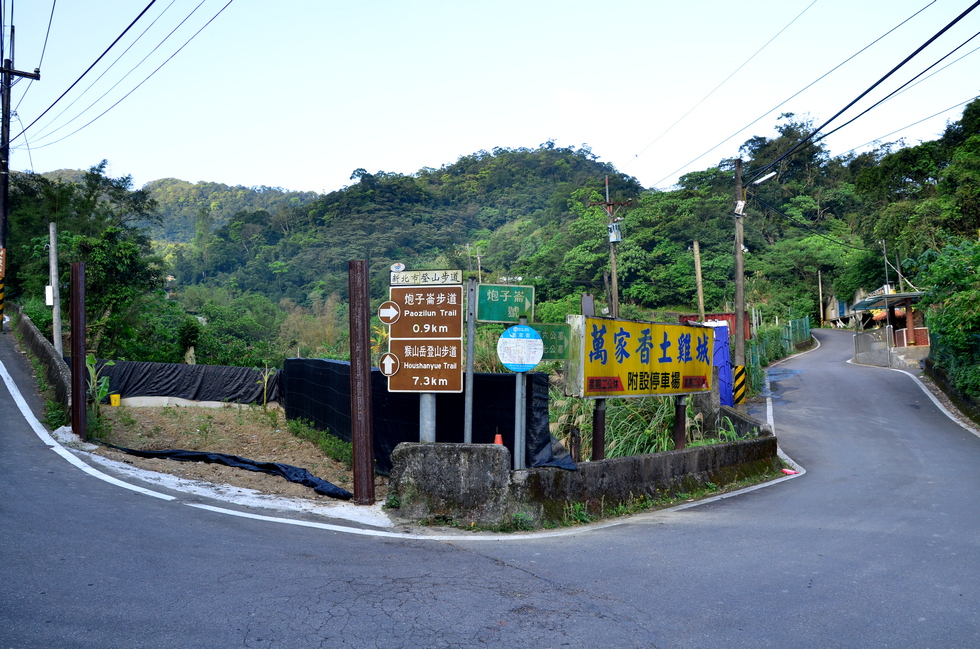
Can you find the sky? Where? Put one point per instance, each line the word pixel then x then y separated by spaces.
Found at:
pixel 299 93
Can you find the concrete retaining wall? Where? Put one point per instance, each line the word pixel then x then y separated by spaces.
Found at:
pixel 472 483
pixel 57 372
pixel 897 357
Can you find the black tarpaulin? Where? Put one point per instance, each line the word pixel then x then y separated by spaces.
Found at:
pixel 290 473
pixel 192 382
pixel 318 390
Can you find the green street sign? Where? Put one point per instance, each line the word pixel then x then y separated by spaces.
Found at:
pixel 555 338
pixel 504 302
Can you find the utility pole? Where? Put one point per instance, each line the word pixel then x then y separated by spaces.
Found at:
pixel 55 289
pixel 739 269
pixel 697 276
pixel 614 236
pixel 5 73
pixel 820 292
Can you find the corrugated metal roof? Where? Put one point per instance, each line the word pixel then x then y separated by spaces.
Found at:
pixel 883 301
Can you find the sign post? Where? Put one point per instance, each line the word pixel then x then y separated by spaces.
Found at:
pixel 424 313
pixel 520 349
pixel 470 352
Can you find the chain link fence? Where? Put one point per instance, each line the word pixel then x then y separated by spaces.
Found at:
pixel 769 345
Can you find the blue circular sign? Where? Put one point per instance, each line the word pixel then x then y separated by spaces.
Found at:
pixel 520 348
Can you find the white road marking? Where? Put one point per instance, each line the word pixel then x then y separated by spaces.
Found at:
pixel 39 430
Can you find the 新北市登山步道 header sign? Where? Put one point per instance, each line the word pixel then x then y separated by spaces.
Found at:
pixel 426 277
pixel 623 358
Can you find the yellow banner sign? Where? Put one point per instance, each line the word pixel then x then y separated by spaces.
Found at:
pixel 623 358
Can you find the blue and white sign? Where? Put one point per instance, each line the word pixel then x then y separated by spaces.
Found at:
pixel 520 348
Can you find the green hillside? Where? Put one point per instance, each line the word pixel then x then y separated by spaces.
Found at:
pixel 271 266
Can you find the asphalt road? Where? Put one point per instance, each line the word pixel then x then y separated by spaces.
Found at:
pixel 875 546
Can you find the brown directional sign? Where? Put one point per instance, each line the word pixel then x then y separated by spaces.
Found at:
pixel 434 365
pixel 424 312
pixel 425 349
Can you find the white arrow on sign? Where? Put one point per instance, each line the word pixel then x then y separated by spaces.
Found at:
pixel 389 364
pixel 389 312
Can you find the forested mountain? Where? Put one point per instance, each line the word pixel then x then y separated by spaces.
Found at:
pixel 501 203
pixel 268 268
pixel 180 203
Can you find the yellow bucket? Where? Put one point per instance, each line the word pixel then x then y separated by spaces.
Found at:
pixel 113 399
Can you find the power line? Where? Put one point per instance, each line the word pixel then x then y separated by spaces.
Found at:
pixel 89 69
pixel 48 134
pixel 807 226
pixel 942 31
pixel 44 48
pixel 898 90
pixel 726 80
pixel 93 120
pixel 796 94
pixel 924 119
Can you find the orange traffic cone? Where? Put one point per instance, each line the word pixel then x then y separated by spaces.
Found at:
pixel 498 439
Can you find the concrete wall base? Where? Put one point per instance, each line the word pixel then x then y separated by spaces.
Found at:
pixel 896 357
pixel 473 484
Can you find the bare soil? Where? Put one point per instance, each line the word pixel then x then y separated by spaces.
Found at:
pixel 252 432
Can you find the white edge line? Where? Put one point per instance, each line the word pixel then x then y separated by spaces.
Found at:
pixel 403 536
pixel 936 401
pixel 922 387
pixel 39 430
pixel 53 444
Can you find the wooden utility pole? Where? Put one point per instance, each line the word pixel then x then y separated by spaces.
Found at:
pixel 820 292
pixel 55 289
pixel 697 275
pixel 5 73
pixel 739 269
pixel 614 236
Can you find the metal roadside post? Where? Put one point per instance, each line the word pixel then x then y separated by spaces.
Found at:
pixel 79 422
pixel 470 350
pixel 680 421
pixel 520 349
pixel 599 408
pixel 362 434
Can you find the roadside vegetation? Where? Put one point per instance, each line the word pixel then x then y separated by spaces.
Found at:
pixel 211 274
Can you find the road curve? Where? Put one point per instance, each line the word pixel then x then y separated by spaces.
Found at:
pixel 876 546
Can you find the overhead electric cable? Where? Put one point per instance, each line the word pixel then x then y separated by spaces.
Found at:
pixel 90 122
pixel 805 140
pixel 807 226
pixel 29 156
pixel 97 79
pixel 48 134
pixel 899 90
pixel 924 119
pixel 637 155
pixel 44 48
pixel 135 20
pixel 796 94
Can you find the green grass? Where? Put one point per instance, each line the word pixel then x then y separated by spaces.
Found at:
pixel 331 445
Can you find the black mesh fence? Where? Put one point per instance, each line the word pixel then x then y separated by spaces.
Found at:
pixel 318 391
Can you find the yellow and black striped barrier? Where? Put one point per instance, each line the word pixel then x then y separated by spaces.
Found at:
pixel 739 385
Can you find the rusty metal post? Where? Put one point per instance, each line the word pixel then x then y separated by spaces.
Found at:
pixel 362 432
pixel 599 430
pixel 909 324
pixel 599 407
pixel 680 422
pixel 79 422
